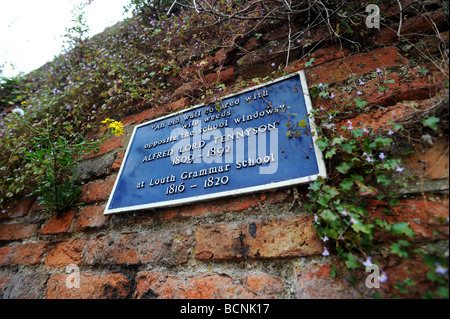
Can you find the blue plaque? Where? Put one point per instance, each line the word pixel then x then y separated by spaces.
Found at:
pixel 255 140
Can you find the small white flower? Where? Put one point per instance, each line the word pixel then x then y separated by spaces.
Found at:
pixel 440 270
pixel 383 277
pixel 18 111
pixel 325 238
pixel 368 262
pixel 325 252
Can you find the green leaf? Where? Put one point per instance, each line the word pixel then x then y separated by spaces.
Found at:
pixel 302 124
pixel 431 122
pixel 399 248
pixel 322 144
pixel 352 262
pixel 402 228
pixel 343 168
pixel 360 103
pixel 362 228
pixel 346 184
pixel 330 153
pixel 383 180
pixel 328 215
pixel 348 147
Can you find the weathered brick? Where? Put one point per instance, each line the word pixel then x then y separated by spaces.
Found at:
pixel 111 144
pixel 97 191
pixel 397 270
pixel 264 284
pixel 26 254
pixel 405 88
pixel 26 286
pixel 66 253
pixel 92 286
pixel 162 248
pixel 277 238
pixel 379 119
pixel 58 224
pixel 430 162
pixel 21 208
pixel 320 56
pixel 231 204
pixel 179 105
pixel 90 217
pixel 422 215
pixel 313 281
pixel 17 231
pixel 355 65
pixel 205 286
pixel 118 160
pixel 421 24
pixel 145 115
pixel 4 282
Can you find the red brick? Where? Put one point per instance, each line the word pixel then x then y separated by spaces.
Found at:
pixel 58 224
pixel 167 248
pixel 225 76
pixel 422 215
pixel 225 55
pixel 379 119
pixel 145 115
pixel 92 286
pixel 66 253
pixel 276 238
pixel 206 286
pixel 111 144
pixel 355 65
pixel 413 268
pixel 418 24
pixel 313 281
pixel 97 191
pixel 21 208
pixel 17 231
pixel 90 217
pixel 26 254
pixel 430 162
pixel 178 105
pixel 232 204
pixel 263 284
pixel 118 161
pixel 414 88
pixel 321 56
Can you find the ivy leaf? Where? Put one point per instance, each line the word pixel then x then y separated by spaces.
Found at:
pixel 328 215
pixel 362 228
pixel 352 262
pixel 399 248
pixel 431 122
pixel 302 124
pixel 343 168
pixel 330 153
pixel 360 103
pixel 346 184
pixel 402 228
pixel 383 180
pixel 322 144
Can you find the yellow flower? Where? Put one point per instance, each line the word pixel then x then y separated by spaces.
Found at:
pixel 115 126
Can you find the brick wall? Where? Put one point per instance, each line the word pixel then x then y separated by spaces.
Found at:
pixel 210 249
